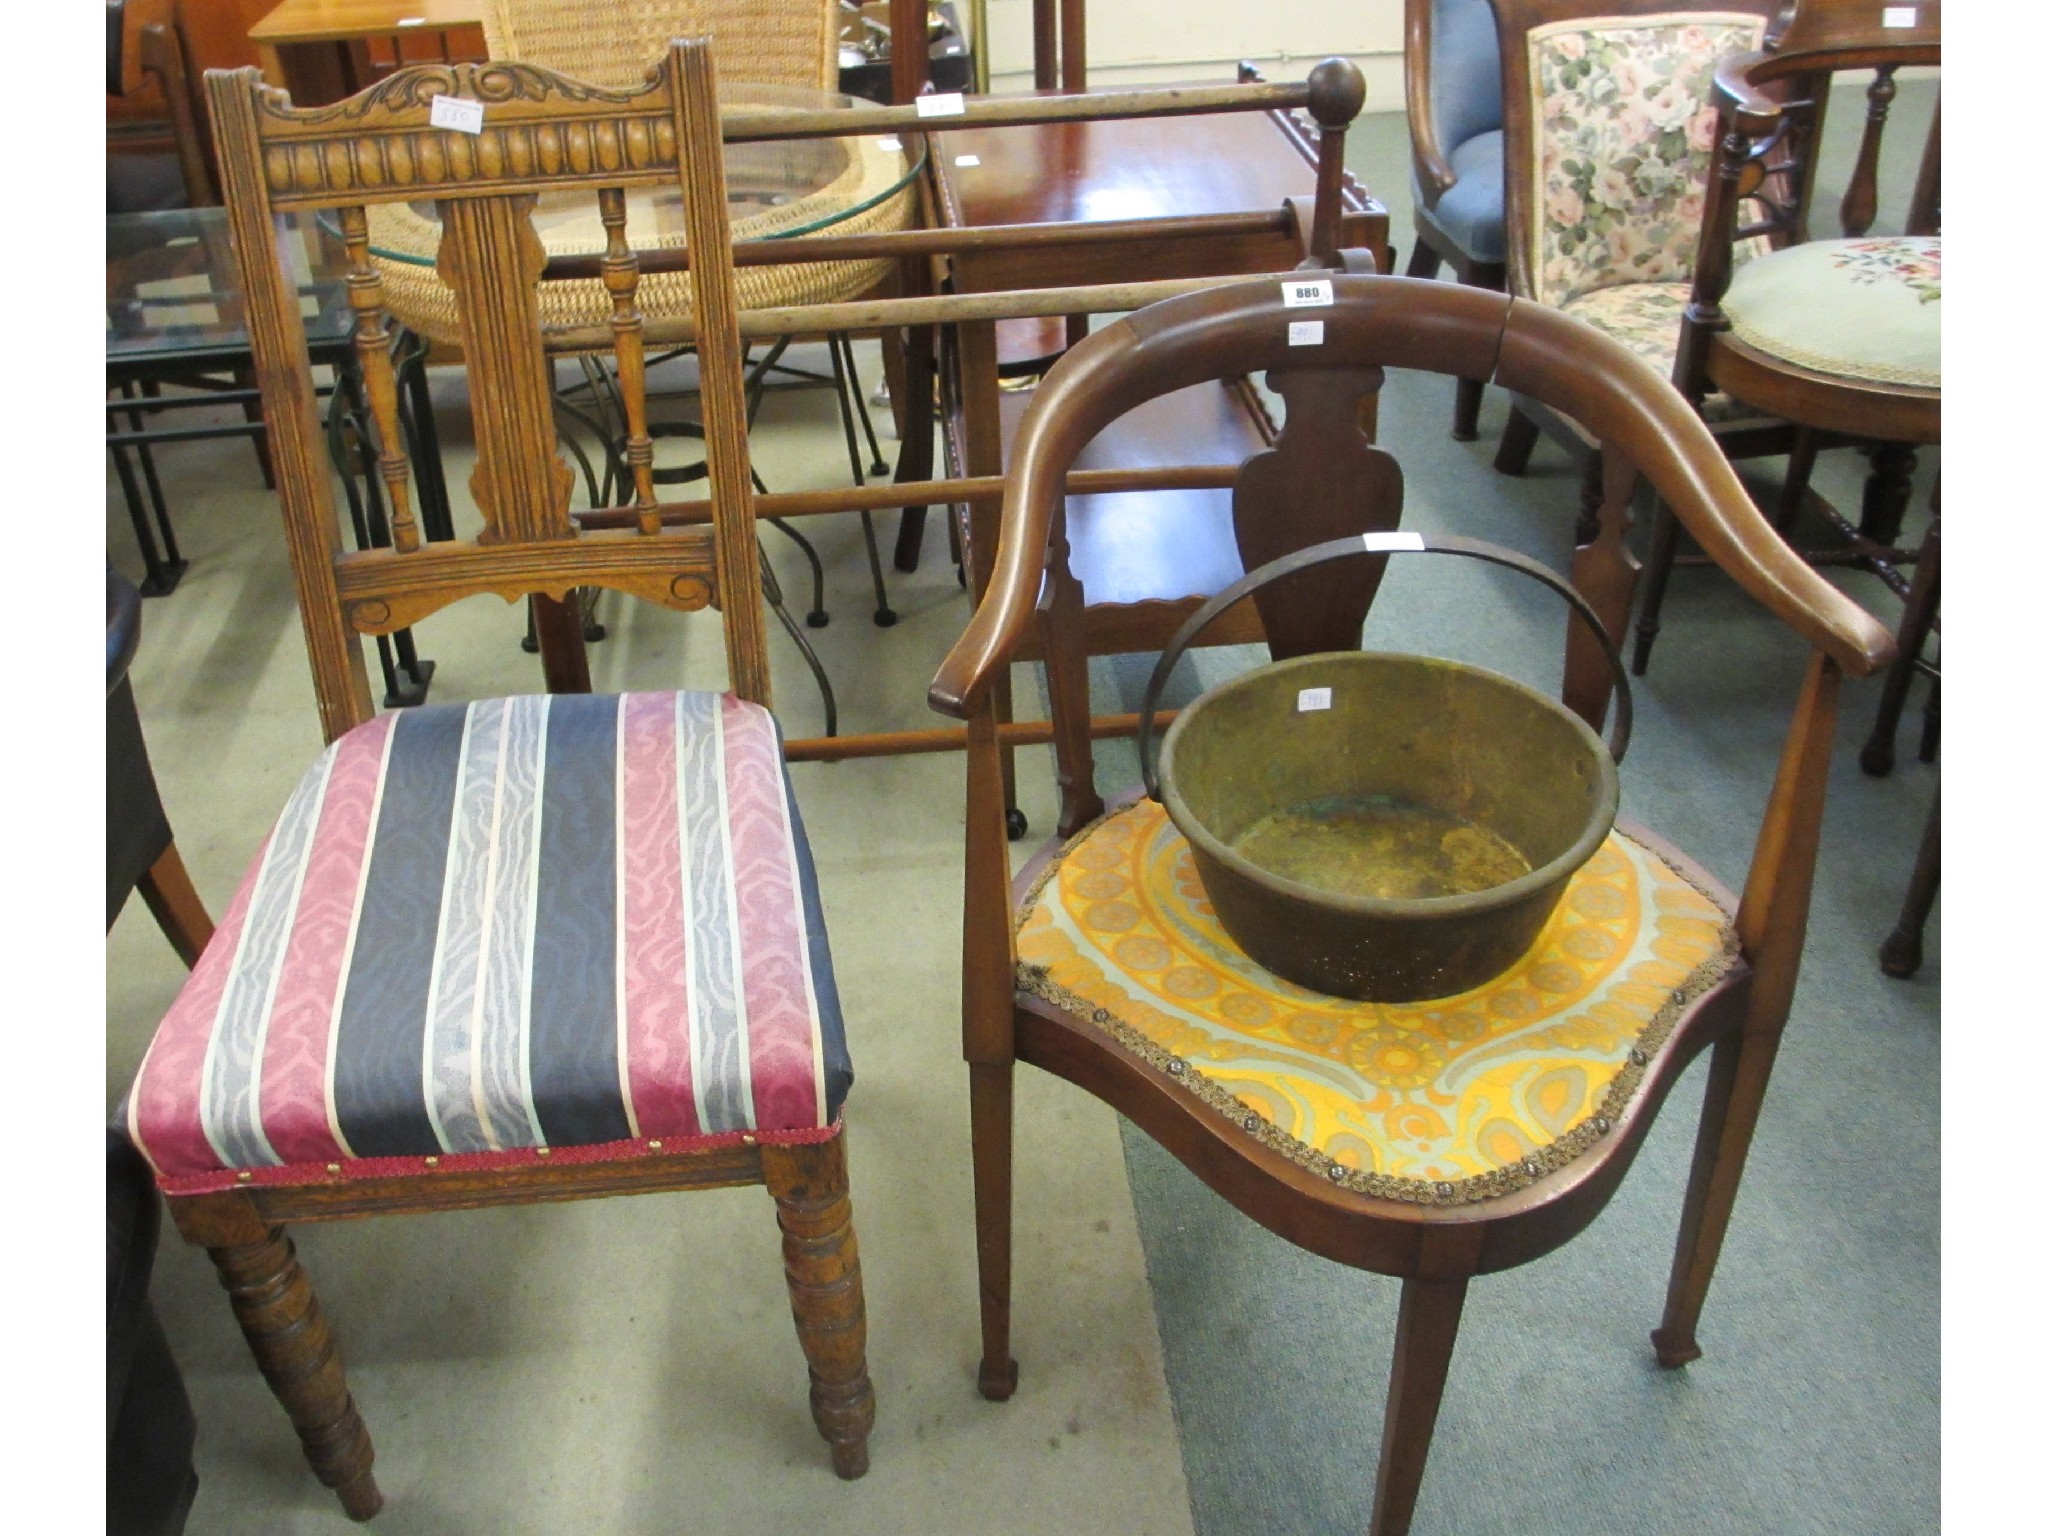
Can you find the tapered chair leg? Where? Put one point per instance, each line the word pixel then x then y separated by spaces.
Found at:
pixel 1423 262
pixel 991 1090
pixel 1737 1076
pixel 167 891
pixel 1517 442
pixel 1423 1340
pixel 821 1261
pixel 281 1319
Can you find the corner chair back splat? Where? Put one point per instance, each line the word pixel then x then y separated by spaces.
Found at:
pixel 1068 970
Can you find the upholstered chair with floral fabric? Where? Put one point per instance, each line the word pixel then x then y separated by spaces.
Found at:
pixel 1608 124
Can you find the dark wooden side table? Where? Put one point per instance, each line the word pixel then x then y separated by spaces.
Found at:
pixel 174 317
pixel 1152 557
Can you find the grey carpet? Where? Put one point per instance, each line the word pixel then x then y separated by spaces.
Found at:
pixel 1815 1408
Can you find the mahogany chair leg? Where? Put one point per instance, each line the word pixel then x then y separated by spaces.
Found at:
pixel 1798 477
pixel 1656 577
pixel 281 1319
pixel 167 891
pixel 821 1261
pixel 1923 600
pixel 1517 442
pixel 1423 1341
pixel 1900 954
pixel 1465 412
pixel 990 1088
pixel 1739 1072
pixel 1887 491
pixel 1423 262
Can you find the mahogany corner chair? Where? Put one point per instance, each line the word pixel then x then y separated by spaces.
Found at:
pixel 1099 962
pixel 451 978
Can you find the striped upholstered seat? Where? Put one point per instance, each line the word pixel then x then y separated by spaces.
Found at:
pixel 583 926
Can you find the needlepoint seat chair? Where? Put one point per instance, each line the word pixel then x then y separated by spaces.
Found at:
pixel 1451 61
pixel 523 949
pixel 1841 336
pixel 1437 1140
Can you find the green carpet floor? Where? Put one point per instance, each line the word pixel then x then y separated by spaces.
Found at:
pixel 1816 1406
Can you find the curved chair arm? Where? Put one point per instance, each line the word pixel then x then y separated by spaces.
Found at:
pixel 1755 112
pixel 1389 322
pixel 1432 166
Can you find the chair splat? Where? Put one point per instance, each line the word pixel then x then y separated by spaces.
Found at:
pixel 373 348
pixel 629 344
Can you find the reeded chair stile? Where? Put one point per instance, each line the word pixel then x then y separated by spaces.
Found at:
pixel 1360 1130
pixel 526 949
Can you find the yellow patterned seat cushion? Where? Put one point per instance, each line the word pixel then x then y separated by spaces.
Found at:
pixel 1448 1101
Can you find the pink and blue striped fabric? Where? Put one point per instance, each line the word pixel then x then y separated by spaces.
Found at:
pixel 581 922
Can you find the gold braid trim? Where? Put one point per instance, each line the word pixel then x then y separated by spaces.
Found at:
pixel 1035 981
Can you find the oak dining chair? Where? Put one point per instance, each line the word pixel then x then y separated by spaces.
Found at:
pixel 527 949
pixel 1434 1141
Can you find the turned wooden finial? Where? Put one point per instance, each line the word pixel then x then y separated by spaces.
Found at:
pixel 1336 92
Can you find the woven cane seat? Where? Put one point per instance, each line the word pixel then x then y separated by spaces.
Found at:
pixel 1447 1101
pixel 579 927
pixel 857 189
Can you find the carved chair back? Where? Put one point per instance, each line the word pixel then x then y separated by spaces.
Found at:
pixel 1322 462
pixel 764 42
pixel 540 132
pixel 1608 116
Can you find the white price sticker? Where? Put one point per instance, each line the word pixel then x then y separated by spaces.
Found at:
pixel 947 104
pixel 967 161
pixel 1304 333
pixel 1307 293
pixel 457 113
pixel 1311 699
pixel 1387 543
pixel 1902 16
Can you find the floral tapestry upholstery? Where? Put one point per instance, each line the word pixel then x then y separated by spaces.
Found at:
pixel 1644 317
pixel 1862 309
pixel 1622 121
pixel 1441 1102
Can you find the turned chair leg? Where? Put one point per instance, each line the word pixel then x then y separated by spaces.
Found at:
pixel 1900 954
pixel 167 891
pixel 821 1261
pixel 1656 577
pixel 1923 600
pixel 1517 442
pixel 991 1087
pixel 281 1319
pixel 1423 1340
pixel 1736 1078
